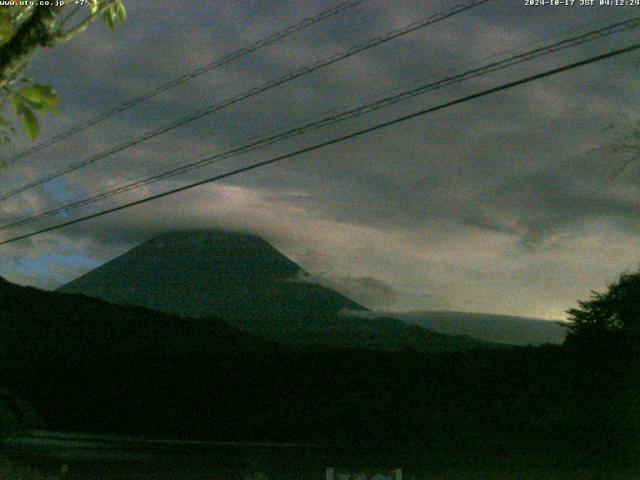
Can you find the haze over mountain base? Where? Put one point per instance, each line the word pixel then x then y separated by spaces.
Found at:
pixel 490 327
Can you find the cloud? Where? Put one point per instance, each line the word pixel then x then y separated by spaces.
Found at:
pixel 499 204
pixel 368 291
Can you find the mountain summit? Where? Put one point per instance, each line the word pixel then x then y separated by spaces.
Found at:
pixel 244 280
pixel 238 276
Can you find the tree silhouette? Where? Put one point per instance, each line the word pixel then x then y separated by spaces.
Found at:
pixel 608 317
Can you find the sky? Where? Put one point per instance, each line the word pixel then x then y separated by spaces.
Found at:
pixel 506 204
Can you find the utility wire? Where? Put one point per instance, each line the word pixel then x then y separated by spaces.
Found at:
pixel 340 117
pixel 64 205
pixel 235 55
pixel 333 141
pixel 250 93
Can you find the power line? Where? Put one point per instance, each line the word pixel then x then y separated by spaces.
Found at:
pixel 250 93
pixel 332 141
pixel 340 117
pixel 235 55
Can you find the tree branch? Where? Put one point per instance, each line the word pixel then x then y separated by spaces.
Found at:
pixel 37 31
pixel 82 26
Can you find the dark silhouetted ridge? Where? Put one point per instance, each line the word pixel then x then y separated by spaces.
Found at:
pixel 37 325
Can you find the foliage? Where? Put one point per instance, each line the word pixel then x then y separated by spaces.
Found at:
pixel 40 98
pixel 24 29
pixel 611 315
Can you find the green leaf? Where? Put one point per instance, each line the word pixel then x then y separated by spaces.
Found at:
pixel 40 107
pixel 40 97
pixel 17 102
pixel 108 17
pixel 7 28
pixel 39 94
pixel 115 14
pixel 121 12
pixel 31 124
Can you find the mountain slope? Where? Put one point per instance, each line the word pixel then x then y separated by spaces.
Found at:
pixel 490 327
pixel 245 281
pixel 38 326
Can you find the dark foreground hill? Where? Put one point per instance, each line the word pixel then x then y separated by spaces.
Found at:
pixel 245 281
pixel 86 365
pixel 38 326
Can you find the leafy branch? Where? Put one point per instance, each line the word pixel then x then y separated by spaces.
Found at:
pixel 112 12
pixel 25 29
